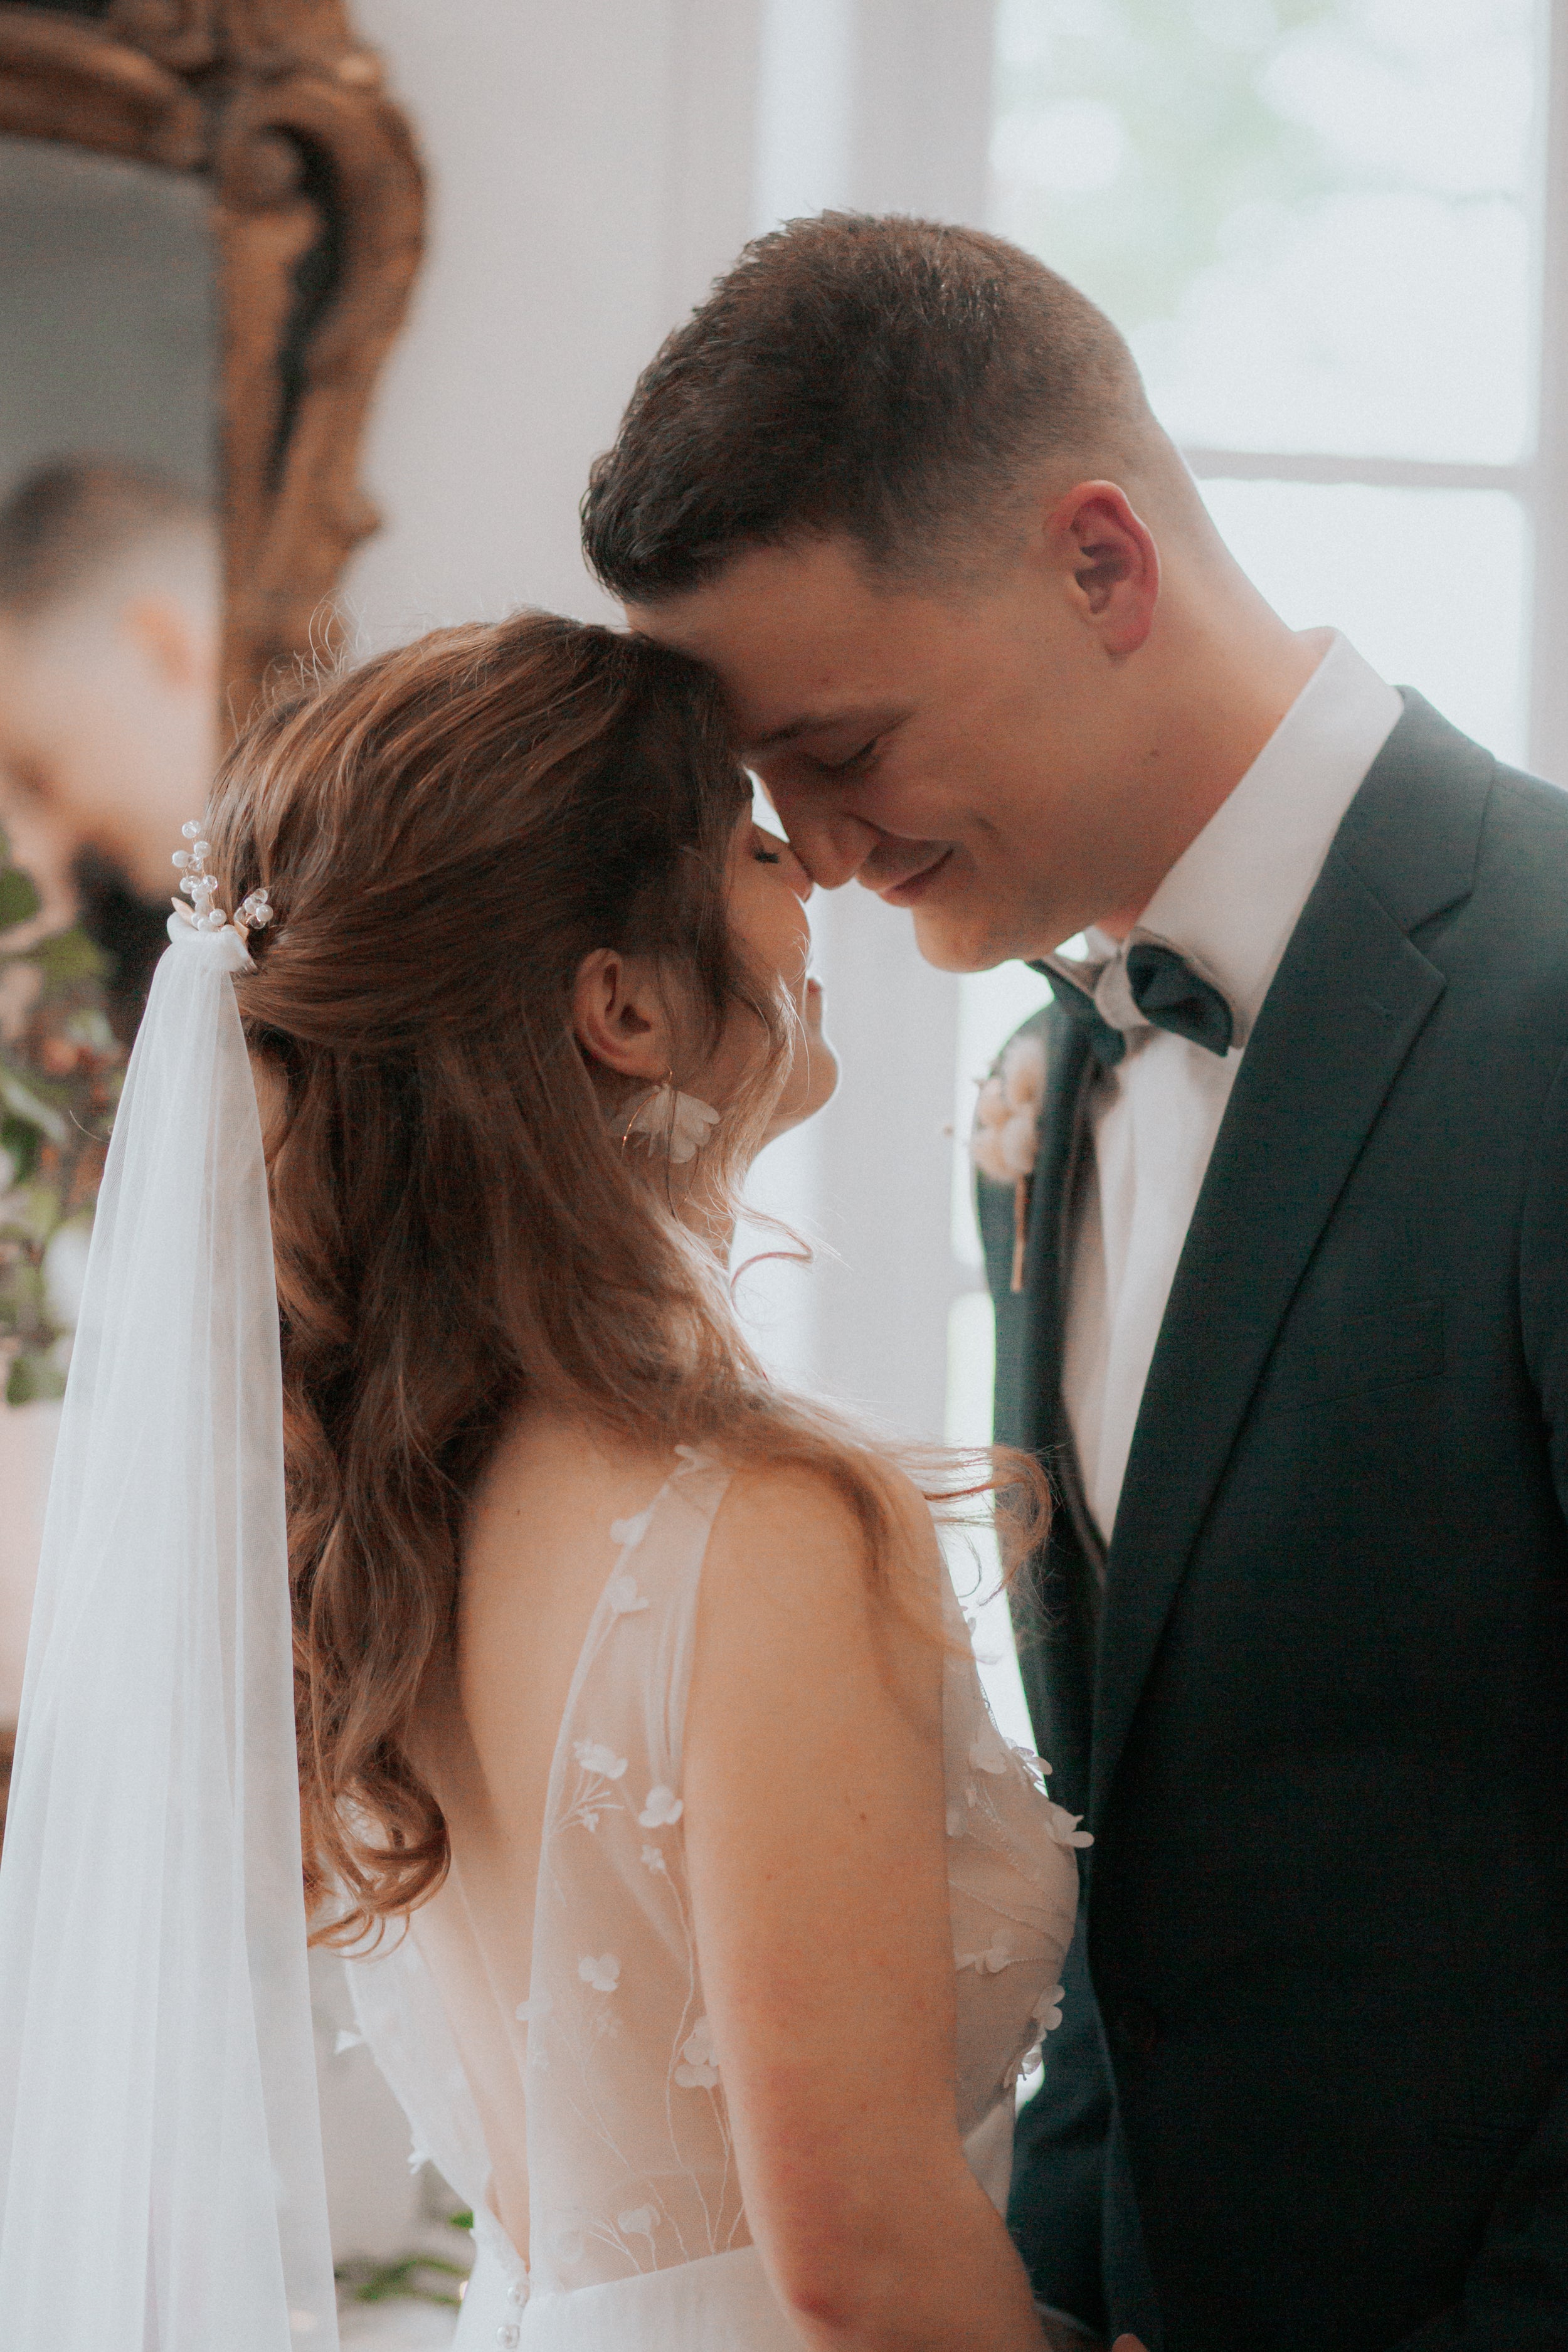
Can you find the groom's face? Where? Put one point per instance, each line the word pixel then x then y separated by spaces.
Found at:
pixel 961 750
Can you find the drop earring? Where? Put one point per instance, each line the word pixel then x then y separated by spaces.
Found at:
pixel 667 1121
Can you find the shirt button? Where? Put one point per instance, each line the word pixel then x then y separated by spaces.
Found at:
pixel 509 2335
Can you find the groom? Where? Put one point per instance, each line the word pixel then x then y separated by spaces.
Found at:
pixel 1286 1308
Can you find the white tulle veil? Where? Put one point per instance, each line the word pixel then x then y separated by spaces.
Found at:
pixel 161 2183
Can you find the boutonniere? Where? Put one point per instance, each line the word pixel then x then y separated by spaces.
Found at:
pixel 1007 1132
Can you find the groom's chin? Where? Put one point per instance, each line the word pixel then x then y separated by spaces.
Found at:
pixel 952 943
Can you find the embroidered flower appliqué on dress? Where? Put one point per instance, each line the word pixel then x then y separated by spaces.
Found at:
pixel 1064 1826
pixel 1046 2010
pixel 990 1962
pixel 663 1807
pixel 701 2071
pixel 604 1973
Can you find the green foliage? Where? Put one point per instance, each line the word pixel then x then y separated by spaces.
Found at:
pixel 1202 137
pixel 60 1073
pixel 427 2278
pixel 18 898
pixel 423 2277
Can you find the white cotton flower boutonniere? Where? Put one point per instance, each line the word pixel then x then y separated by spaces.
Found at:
pixel 1007 1132
pixel 1007 1115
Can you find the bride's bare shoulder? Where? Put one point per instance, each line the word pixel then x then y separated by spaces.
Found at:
pixel 552 1479
pixel 800 1540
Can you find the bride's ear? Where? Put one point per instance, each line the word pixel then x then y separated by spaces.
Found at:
pixel 619 1016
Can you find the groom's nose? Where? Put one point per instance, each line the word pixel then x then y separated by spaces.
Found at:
pixel 830 843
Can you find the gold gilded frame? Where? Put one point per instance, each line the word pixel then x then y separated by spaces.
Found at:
pixel 318 215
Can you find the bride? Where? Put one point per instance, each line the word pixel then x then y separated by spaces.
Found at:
pixel 699 1917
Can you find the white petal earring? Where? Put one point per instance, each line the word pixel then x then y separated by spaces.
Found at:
pixel 668 1120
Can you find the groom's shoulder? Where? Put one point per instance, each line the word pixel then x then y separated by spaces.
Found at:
pixel 1461 843
pixel 1498 835
pixel 1520 892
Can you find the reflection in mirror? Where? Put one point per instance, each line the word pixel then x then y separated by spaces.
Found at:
pixel 109 558
pixel 109 625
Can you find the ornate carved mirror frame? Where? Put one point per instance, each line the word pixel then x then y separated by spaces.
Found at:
pixel 317 213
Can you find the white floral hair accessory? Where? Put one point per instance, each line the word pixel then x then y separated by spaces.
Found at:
pixel 1007 1132
pixel 670 1122
pixel 201 889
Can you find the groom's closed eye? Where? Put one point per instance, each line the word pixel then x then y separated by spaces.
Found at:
pixel 853 763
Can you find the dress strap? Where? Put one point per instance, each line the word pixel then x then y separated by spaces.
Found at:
pixel 630 2163
pixel 657 1575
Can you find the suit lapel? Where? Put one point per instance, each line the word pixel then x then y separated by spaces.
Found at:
pixel 1347 1003
pixel 1057 1634
pixel 1040 1388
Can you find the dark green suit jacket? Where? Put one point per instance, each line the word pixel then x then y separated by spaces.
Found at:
pixel 1312 2090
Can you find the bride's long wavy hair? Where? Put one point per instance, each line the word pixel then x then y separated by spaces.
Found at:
pixel 446 833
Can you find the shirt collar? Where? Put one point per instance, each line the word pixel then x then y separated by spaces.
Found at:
pixel 1232 899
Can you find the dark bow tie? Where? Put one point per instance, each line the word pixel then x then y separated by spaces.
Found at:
pixel 1167 991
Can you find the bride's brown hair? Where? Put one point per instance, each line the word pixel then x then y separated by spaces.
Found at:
pixel 446 833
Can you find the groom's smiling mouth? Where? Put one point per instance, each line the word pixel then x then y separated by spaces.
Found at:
pixel 903 876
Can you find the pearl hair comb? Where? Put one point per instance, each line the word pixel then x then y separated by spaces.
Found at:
pixel 201 889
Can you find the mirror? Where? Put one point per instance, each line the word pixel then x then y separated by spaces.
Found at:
pixel 110 558
pixel 210 218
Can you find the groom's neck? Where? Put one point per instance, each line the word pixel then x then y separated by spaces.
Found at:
pixel 1225 672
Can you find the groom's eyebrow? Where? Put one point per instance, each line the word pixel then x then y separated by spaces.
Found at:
pixel 815 722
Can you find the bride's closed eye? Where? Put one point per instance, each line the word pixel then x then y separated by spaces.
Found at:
pixel 762 853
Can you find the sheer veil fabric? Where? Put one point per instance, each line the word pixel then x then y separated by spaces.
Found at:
pixel 160 2141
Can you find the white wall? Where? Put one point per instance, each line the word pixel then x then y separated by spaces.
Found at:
pixel 590 171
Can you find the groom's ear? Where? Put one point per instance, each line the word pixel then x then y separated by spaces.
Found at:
pixel 1108 559
pixel 618 1014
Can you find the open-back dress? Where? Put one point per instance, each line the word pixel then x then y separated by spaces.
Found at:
pixel 589 2064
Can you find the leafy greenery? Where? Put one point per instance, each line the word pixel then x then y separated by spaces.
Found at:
pixel 60 1074
pixel 1195 136
pixel 425 2278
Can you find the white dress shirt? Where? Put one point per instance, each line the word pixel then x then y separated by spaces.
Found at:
pixel 1229 905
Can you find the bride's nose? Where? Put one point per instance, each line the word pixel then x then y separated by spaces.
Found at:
pixel 795 874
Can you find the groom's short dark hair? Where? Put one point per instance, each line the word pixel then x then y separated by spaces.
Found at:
pixel 894 379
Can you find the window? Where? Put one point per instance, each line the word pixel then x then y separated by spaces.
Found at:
pixel 1321 224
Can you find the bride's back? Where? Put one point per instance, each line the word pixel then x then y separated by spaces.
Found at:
pixel 537 1554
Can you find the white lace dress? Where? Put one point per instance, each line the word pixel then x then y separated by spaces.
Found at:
pixel 637 2229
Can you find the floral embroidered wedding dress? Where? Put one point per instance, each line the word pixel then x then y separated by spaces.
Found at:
pixel 598 2074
